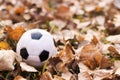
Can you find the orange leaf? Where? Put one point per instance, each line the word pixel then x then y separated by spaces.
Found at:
pixel 63 9
pixel 4 45
pixel 8 29
pixel 16 33
pixel 98 9
pixel 20 10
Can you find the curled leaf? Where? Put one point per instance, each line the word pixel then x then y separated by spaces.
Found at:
pixel 7 59
pixel 67 54
pixel 26 67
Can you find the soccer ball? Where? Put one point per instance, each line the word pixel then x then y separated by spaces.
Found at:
pixel 36 46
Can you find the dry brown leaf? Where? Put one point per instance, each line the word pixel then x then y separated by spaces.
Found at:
pixel 27 16
pixel 113 39
pixel 67 75
pixel 7 59
pixel 84 76
pixel 83 67
pixel 94 40
pixel 4 45
pixel 63 12
pixel 67 54
pixel 117 3
pixel 26 67
pixel 116 75
pixel 58 78
pixel 19 10
pixel 8 29
pixel 63 9
pixel 116 64
pixel 100 20
pixel 117 71
pixel 19 78
pixel 16 33
pixel 102 74
pixel 105 63
pixel 80 37
pixel 57 64
pixel 90 55
pixel 114 51
pixel 46 76
pixel 116 20
pixel 73 66
pixel 81 25
pixel 98 9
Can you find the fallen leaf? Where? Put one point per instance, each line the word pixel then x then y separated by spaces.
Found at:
pixel 73 66
pixel 101 74
pixel 116 75
pixel 58 65
pixel 100 20
pixel 67 54
pixel 16 33
pixel 105 63
pixel 117 71
pixel 67 75
pixel 4 45
pixel 116 64
pixel 19 78
pixel 7 59
pixel 89 8
pixel 46 76
pixel 90 54
pixel 117 3
pixel 113 38
pixel 63 12
pixel 116 20
pixel 114 51
pixel 26 67
pixel 84 76
pixel 6 22
pixel 59 23
pixel 58 78
pixel 98 9
pixel 110 27
pixel 81 25
pixel 19 10
pixel 27 16
pixel 83 68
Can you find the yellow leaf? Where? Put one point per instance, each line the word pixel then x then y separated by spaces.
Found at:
pixel 4 45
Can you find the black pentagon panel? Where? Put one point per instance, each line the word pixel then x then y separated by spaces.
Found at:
pixel 36 35
pixel 24 53
pixel 44 55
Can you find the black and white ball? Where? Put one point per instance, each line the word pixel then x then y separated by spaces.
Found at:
pixel 36 46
